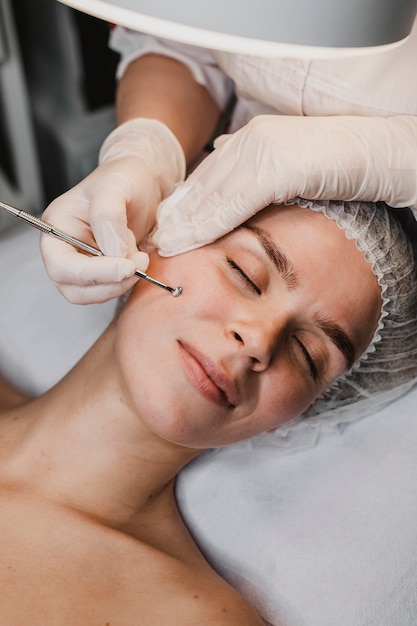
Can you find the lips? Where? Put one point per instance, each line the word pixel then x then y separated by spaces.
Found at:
pixel 207 377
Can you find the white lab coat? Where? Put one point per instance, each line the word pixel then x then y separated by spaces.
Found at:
pixel 374 84
pixel 381 84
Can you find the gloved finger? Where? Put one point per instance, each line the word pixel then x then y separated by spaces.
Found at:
pixel 221 140
pixel 177 233
pixel 139 258
pixel 91 293
pixel 69 213
pixel 108 221
pixel 71 267
pixel 219 182
pixel 96 293
pixel 208 178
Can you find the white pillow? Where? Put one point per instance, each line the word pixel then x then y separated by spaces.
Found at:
pixel 326 536
pixel 42 335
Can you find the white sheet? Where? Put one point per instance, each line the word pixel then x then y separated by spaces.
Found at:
pixel 42 335
pixel 323 537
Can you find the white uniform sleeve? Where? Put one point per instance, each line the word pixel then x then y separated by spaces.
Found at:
pixel 131 45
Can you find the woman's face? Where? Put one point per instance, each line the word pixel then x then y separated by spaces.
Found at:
pixel 270 315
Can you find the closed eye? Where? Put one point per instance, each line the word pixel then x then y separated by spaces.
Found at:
pixel 310 362
pixel 244 277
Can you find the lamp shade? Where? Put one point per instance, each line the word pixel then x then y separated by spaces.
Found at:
pixel 296 27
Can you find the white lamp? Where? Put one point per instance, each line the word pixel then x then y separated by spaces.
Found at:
pixel 313 28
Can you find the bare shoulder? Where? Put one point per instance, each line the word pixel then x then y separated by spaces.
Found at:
pixel 226 610
pixel 210 600
pixel 96 575
pixel 10 396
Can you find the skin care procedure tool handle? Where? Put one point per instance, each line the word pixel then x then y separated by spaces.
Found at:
pixel 51 230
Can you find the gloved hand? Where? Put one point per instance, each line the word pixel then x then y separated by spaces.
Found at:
pixel 113 208
pixel 276 158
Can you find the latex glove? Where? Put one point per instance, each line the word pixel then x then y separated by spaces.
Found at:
pixel 276 158
pixel 113 208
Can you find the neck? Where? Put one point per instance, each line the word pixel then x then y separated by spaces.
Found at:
pixel 83 445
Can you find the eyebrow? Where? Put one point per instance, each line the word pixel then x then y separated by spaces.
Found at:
pixel 339 338
pixel 284 266
pixel 277 256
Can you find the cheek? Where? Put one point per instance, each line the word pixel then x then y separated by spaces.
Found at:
pixel 152 321
pixel 192 271
pixel 284 396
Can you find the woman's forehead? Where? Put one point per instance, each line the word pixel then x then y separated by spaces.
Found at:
pixel 296 224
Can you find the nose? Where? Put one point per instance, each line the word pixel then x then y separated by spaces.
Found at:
pixel 258 340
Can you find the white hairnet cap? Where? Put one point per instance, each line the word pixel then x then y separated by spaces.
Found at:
pixel 390 361
pixel 388 367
